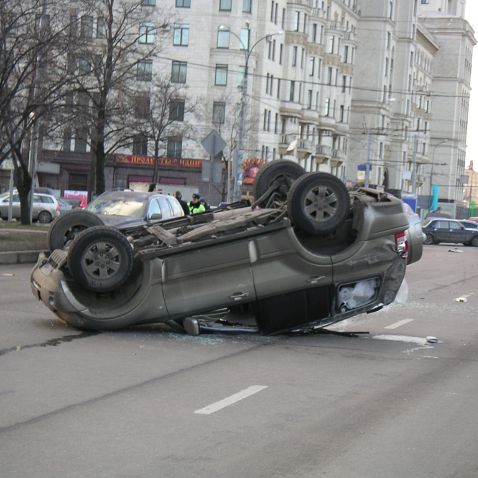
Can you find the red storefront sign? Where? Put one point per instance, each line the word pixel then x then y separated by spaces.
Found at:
pixel 166 163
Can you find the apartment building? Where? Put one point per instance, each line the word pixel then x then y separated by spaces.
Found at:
pixel 286 66
pixel 391 106
pixel 451 72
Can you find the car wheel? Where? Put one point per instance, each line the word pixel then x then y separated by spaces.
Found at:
pixel 474 241
pixel 44 217
pixel 276 176
pixel 318 203
pixel 65 227
pixel 429 240
pixel 100 258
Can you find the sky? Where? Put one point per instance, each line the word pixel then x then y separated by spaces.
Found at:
pixel 471 15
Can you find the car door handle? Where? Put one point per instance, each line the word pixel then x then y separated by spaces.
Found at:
pixel 314 280
pixel 239 295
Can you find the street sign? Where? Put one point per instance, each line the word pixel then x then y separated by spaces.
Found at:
pixel 213 143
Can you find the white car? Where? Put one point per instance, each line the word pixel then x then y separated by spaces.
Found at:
pixel 45 207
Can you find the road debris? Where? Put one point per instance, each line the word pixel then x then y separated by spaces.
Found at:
pixel 455 249
pixel 461 299
pixel 8 274
pixel 432 340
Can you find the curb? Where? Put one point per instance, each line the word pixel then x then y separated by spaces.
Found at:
pixel 19 257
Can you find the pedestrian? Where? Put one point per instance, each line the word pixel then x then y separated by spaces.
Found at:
pixel 195 205
pixel 203 201
pixel 181 201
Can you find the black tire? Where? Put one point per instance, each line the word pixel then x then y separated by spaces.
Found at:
pixel 44 217
pixel 65 227
pixel 474 241
pixel 283 172
pixel 318 203
pixel 429 240
pixel 100 258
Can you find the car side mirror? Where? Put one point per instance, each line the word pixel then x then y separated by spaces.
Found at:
pixel 156 216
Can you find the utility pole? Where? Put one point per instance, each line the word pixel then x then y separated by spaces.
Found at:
pixel 414 166
pixel 369 159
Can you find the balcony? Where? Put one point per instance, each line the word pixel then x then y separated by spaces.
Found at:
pixel 322 151
pixel 338 157
pixel 318 13
pixel 305 147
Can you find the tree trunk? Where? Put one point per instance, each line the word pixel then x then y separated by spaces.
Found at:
pixel 156 162
pixel 24 184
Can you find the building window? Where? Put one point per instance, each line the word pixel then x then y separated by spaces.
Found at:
pixel 225 5
pixel 175 147
pixel 179 72
pixel 147 33
pixel 219 112
pixel 223 37
pixel 292 91
pixel 144 70
pixel 100 28
pixel 425 2
pixel 221 75
pixel 149 3
pixel 140 145
pixel 294 56
pixel 181 35
pixel 183 3
pixel 245 35
pixel 84 66
pixel 176 110
pixel 142 106
pixel 246 6
pixel 86 26
pixel 81 139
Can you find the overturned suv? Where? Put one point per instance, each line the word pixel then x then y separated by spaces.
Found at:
pixel 306 254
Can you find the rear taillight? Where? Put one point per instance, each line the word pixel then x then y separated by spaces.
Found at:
pixel 401 242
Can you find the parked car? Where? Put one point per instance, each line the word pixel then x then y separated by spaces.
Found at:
pixel 307 253
pixel 449 230
pixel 469 224
pixel 64 205
pixel 115 208
pixel 45 207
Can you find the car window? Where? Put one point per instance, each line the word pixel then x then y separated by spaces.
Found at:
pixel 112 206
pixel 455 225
pixel 165 208
pixel 441 225
pixel 176 207
pixel 154 208
pixel 46 199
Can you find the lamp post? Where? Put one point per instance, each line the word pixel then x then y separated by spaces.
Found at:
pixel 239 151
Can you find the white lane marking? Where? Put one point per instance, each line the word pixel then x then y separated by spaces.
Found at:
pixel 398 324
pixel 216 406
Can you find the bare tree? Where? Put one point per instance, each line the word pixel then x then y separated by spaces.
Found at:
pixel 32 43
pixel 164 111
pixel 107 62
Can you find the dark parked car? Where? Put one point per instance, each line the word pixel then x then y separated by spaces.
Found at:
pixel 116 208
pixel 449 230
pixel 307 253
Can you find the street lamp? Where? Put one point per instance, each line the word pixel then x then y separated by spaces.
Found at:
pixel 239 151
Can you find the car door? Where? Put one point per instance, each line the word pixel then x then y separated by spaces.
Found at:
pixel 208 277
pixel 440 230
pixel 456 232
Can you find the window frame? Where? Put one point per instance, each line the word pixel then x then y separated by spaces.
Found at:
pixel 224 68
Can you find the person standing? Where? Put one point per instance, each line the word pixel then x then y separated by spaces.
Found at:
pixel 195 205
pixel 181 201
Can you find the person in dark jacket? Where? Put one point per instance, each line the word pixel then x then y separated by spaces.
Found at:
pixel 181 201
pixel 195 205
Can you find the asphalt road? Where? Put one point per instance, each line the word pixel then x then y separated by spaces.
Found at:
pixel 146 402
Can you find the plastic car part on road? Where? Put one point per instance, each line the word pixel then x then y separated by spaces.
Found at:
pixel 275 178
pixel 65 227
pixel 318 203
pixel 100 258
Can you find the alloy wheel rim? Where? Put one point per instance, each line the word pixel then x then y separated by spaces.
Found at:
pixel 101 260
pixel 320 203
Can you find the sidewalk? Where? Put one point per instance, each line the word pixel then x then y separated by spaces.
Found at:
pixel 21 246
